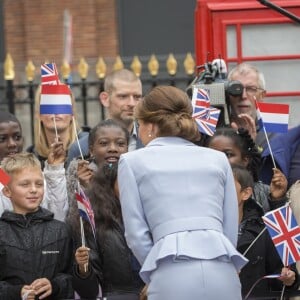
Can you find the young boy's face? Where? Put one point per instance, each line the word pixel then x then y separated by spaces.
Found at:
pixel 238 191
pixel 242 194
pixel 26 190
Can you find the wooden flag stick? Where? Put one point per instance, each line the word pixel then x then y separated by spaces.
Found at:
pixel 265 133
pixel 77 140
pixel 83 240
pixel 269 146
pixel 55 127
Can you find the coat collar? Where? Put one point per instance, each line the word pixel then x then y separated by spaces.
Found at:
pixel 170 141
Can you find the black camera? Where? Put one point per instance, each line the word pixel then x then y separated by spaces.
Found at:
pixel 234 88
pixel 212 76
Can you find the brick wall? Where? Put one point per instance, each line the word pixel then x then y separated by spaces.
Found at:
pixel 34 30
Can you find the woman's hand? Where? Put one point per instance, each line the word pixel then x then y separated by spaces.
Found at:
pixel 57 154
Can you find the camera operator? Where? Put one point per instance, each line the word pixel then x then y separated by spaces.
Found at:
pixel 285 147
pixel 242 102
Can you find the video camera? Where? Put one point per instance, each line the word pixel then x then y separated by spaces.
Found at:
pixel 212 76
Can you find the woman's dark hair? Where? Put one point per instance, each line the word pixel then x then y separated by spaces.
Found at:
pixel 106 123
pixel 242 140
pixel 104 201
pixel 171 110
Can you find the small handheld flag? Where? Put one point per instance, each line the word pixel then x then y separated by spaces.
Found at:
pixel 200 100
pixel 4 179
pixel 285 233
pixel 205 116
pixel 273 117
pixel 85 208
pixel 49 74
pixel 55 99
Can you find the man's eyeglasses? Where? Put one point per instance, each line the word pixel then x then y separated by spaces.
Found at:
pixel 235 88
pixel 252 90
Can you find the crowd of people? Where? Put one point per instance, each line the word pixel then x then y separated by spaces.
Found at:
pixel 167 218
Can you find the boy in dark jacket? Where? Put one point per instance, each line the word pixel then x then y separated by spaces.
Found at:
pixel 35 249
pixel 262 254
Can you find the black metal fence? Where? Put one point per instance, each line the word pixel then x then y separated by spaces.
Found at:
pixel 19 98
pixel 86 92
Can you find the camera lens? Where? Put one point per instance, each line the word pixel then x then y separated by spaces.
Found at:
pixel 234 88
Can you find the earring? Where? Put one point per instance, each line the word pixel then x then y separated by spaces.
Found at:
pixel 149 135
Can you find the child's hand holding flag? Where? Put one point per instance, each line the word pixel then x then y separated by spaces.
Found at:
pixel 287 276
pixel 82 259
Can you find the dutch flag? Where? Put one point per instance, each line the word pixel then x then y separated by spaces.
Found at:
pixel 55 99
pixel 274 117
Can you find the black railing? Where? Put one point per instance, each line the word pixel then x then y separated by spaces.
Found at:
pixel 19 98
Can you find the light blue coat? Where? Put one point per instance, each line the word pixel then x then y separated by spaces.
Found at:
pixel 178 200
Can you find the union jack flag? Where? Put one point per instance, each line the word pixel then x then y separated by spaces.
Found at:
pixel 49 74
pixel 85 208
pixel 285 233
pixel 205 116
pixel 201 100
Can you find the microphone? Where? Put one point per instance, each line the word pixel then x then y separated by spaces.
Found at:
pixel 221 66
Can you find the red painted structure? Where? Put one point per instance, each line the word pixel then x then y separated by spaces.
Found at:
pixel 214 17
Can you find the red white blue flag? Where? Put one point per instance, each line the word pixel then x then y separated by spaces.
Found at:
pixel 273 117
pixel 55 99
pixel 49 74
pixel 205 116
pixel 4 179
pixel 285 233
pixel 85 208
pixel 201 100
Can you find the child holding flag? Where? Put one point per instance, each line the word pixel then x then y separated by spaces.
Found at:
pixel 105 259
pixel 36 250
pixel 110 262
pixel 255 243
pixel 11 143
pixel 241 149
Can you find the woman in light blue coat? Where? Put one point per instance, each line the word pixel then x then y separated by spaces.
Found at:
pixel 179 205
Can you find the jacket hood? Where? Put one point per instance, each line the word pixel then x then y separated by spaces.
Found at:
pixel 252 209
pixel 41 215
pixel 251 224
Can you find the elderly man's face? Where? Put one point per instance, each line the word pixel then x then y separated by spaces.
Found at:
pixel 246 102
